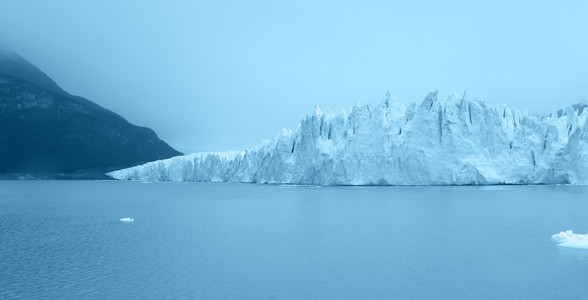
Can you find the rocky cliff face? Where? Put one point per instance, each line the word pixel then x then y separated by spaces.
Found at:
pixel 455 141
pixel 47 133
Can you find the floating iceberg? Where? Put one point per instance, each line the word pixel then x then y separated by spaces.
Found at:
pixel 455 141
pixel 127 219
pixel 570 239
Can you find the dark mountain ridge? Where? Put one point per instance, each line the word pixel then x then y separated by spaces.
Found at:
pixel 47 133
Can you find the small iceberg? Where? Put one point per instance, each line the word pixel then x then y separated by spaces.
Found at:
pixel 570 239
pixel 127 219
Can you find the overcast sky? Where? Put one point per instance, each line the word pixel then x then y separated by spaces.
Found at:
pixel 222 75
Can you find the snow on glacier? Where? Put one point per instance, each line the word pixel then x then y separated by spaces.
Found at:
pixel 455 141
pixel 572 240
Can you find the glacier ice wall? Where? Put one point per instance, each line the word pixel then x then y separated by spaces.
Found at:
pixel 455 141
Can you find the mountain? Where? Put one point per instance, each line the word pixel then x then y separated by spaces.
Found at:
pixel 455 141
pixel 12 64
pixel 47 133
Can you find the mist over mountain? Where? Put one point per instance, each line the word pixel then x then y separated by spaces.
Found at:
pixel 45 132
pixel 12 64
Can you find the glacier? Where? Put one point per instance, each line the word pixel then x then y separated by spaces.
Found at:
pixel 457 140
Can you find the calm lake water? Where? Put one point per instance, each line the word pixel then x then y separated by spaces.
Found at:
pixel 64 240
